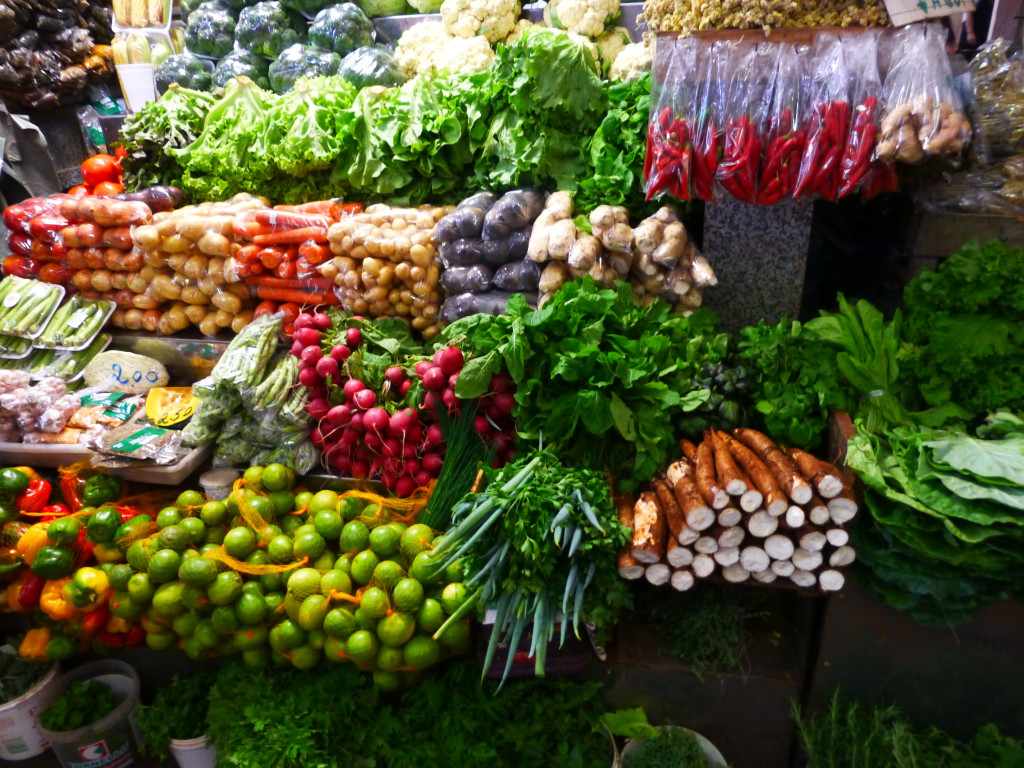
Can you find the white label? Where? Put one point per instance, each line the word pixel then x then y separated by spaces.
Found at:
pixel 78 317
pixel 12 298
pixel 908 11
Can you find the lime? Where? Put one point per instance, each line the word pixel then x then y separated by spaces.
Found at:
pixel 255 505
pixel 279 660
pixel 161 641
pixel 188 499
pixel 387 574
pixel 188 554
pixel 362 620
pixel 306 657
pixel 363 565
pixel 216 534
pixel 323 500
pixel 308 544
pixel 206 634
pixel 138 556
pixel 350 507
pixel 198 571
pixel 195 529
pixel 430 616
pixel 407 594
pixel 311 614
pixel 251 638
pixel 213 513
pixel 275 477
pixel 256 658
pixel 416 539
pixel 119 576
pixel 375 512
pixel 334 650
pixel 355 537
pixel 195 599
pixel 457 636
pixel 290 523
pixel 387 681
pixel 455 572
pixel 361 646
pixel 335 581
pixel 326 561
pixel 225 588
pixel 224 620
pixel 253 588
pixel 280 549
pixel 168 516
pixel 259 557
pixel 266 533
pixel 374 603
pixel 453 596
pixel 339 622
pixel 344 563
pixel 282 501
pixel 328 523
pixel 421 652
pixel 395 629
pixel 384 540
pixel 208 547
pixel 122 606
pixel 163 566
pixel 274 601
pixel 302 499
pixel 251 609
pixel 390 659
pixel 240 542
pixel 424 568
pixel 304 582
pixel 152 625
pixel 287 635
pixel 167 601
pixel 271 582
pixel 174 537
pixel 185 625
pixel 253 476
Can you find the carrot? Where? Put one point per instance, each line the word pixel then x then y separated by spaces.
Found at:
pixel 349 209
pixel 290 236
pixel 247 254
pixel 275 221
pixel 245 226
pixel 296 296
pixel 287 269
pixel 325 207
pixel 270 257
pixel 314 253
pixel 300 283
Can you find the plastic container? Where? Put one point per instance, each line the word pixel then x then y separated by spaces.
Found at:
pixel 137 84
pixel 111 741
pixel 194 753
pixel 217 483
pixel 20 737
pixel 711 753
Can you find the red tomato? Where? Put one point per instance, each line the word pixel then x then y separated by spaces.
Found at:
pixel 264 308
pixel 19 266
pixel 53 273
pixel 108 188
pixel 100 168
pixel 80 190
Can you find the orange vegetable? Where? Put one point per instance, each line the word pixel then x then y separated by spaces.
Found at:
pixel 32 541
pixel 292 236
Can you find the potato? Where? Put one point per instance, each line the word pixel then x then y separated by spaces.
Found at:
pixel 228 302
pixel 214 244
pixel 176 244
pixel 241 320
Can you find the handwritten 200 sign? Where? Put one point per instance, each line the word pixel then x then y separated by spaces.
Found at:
pixel 906 11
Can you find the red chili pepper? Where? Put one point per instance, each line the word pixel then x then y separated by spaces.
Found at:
pixel 827 169
pixel 772 192
pixel 30 592
pixel 36 496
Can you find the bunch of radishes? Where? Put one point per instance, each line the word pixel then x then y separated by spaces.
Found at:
pixel 389 431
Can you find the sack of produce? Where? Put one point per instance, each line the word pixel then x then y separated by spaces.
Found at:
pixel 341 28
pixel 827 122
pixel 998 80
pixel 515 210
pixel 467 220
pixel 466 304
pixel 210 30
pixel 300 61
pixel 186 70
pixel 861 54
pixel 475 279
pixel 368 66
pixel 518 276
pixel 750 67
pixel 242 62
pixel 268 29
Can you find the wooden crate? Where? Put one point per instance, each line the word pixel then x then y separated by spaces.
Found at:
pixel 937 235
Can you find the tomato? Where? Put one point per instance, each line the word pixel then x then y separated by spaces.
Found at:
pixel 264 308
pixel 19 266
pixel 108 188
pixel 53 273
pixel 100 168
pixel 80 190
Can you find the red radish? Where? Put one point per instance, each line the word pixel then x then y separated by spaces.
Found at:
pixel 353 337
pixel 404 387
pixel 326 367
pixel 504 441
pixel 422 367
pixel 449 399
pixel 342 463
pixel 373 441
pixel 399 423
pixel 358 317
pixel 308 377
pixel 434 435
pixel 434 379
pixel 453 380
pixel 409 451
pixel 483 426
pixel 392 448
pixel 502 382
pixel 406 486
pixel 309 337
pixel 388 479
pixel 436 359
pixel 318 408
pixel 432 462
pixel 311 355
pixel 395 374
pixel 412 467
pixel 304 320
pixel 364 398
pixel 316 437
pixel 414 435
pixel 504 402
pixel 361 454
pixel 351 387
pixel 360 470
pixel 432 401
pixel 317 390
pixel 376 420
pixel 356 422
pixel 337 377
pixel 340 352
pixel 321 321
pixel 297 349
pixel 376 466
pixel 490 409
pixel 350 436
pixel 450 360
pixel 339 415
pixel 422 478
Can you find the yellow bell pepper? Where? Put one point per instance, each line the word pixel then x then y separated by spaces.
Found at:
pixel 11 594
pixel 32 541
pixel 54 604
pixel 117 625
pixel 107 553
pixel 28 472
pixel 33 647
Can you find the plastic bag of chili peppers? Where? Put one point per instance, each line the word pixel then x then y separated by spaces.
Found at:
pixel 741 147
pixel 860 55
pixel 783 137
pixel 712 77
pixel 667 165
pixel 828 123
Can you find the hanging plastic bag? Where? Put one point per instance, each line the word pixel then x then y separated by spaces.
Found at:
pixel 667 164
pixel 828 122
pixel 860 53
pixel 750 68
pixel 783 138
pixel 708 133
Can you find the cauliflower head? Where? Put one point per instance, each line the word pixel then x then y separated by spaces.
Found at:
pixel 631 63
pixel 494 19
pixel 610 45
pixel 584 17
pixel 521 26
pixel 429 45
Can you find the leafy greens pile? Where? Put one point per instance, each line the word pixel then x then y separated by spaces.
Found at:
pixel 947 508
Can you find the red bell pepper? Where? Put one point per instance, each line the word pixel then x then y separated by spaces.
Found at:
pixel 135 635
pixel 93 621
pixel 36 496
pixel 30 592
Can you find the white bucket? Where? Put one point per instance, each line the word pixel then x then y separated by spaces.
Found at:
pixel 194 753
pixel 20 739
pixel 137 84
pixel 711 753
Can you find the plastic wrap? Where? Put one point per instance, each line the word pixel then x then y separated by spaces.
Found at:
pixel 782 135
pixel 707 137
pixel 300 61
pixel 998 82
pixel 241 62
pixel 467 304
pixel 341 28
pixel 186 70
pixel 514 210
pixel 369 66
pixel 749 72
pixel 518 276
pixel 861 55
pixel 474 279
pixel 668 161
pixel 268 29
pixel 210 30
pixel 828 122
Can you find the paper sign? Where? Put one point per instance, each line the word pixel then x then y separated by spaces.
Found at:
pixel 907 11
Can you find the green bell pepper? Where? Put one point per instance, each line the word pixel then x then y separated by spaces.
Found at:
pixel 52 562
pixel 103 525
pixel 101 489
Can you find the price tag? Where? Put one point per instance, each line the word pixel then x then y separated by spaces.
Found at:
pixel 907 11
pixel 12 298
pixel 143 437
pixel 78 317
